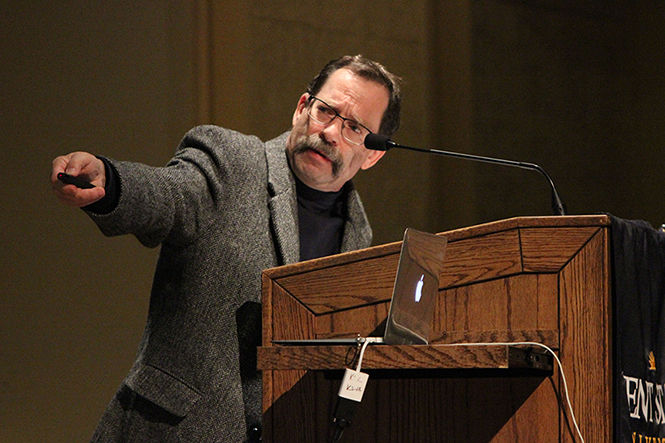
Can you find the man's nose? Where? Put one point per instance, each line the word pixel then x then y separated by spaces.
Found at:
pixel 333 131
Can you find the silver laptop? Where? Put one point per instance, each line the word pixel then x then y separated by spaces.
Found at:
pixel 414 294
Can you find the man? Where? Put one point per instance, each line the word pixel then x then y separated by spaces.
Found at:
pixel 223 209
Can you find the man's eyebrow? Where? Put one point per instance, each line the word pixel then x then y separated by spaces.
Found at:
pixel 353 119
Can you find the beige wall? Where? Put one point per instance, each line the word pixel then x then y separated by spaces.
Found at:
pixel 571 86
pixel 115 78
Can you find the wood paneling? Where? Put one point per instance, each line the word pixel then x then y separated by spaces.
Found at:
pixel 541 254
pixel 585 331
pixel 393 357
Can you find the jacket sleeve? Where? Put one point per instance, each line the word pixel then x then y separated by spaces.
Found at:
pixel 176 202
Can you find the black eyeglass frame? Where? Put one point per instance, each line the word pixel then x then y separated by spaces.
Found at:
pixel 311 99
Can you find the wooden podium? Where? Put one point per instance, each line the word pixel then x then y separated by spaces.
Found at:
pixel 531 279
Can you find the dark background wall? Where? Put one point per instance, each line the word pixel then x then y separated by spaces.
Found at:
pixel 576 87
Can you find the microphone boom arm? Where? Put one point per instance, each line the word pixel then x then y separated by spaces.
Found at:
pixel 557 205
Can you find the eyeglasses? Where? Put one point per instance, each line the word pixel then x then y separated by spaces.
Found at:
pixel 323 114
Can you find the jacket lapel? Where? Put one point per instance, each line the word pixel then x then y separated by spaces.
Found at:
pixel 357 231
pixel 282 201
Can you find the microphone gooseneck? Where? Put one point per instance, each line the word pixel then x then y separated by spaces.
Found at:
pixel 380 142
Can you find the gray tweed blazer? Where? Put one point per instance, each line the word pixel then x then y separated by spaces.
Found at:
pixel 223 209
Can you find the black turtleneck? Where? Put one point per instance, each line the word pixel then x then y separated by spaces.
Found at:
pixel 321 217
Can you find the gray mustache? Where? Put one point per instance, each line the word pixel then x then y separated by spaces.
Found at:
pixel 315 143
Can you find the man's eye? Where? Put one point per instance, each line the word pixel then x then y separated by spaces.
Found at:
pixel 355 127
pixel 326 110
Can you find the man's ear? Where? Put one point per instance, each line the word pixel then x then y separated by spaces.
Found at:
pixel 372 158
pixel 300 108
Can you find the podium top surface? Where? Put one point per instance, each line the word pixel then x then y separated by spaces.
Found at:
pixel 568 221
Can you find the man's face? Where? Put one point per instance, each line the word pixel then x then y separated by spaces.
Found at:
pixel 319 155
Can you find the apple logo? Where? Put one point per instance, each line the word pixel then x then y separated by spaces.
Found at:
pixel 419 288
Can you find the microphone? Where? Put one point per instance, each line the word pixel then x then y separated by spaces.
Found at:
pixel 380 142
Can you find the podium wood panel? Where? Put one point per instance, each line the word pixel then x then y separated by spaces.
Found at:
pixel 396 357
pixel 540 279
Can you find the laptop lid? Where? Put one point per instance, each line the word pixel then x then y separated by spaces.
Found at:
pixel 416 288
